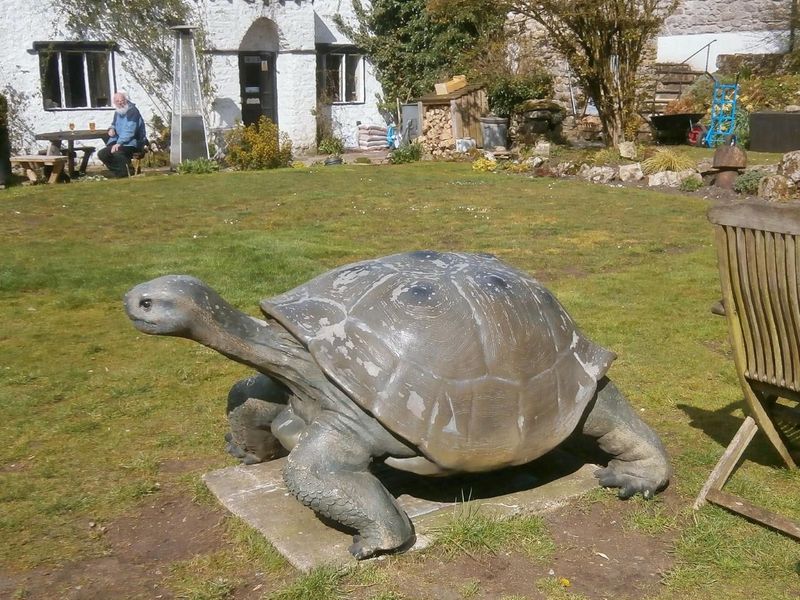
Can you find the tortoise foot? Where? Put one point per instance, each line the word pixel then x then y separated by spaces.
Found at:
pixel 633 478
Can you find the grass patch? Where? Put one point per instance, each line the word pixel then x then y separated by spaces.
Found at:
pixel 90 409
pixel 649 517
pixel 322 583
pixel 470 530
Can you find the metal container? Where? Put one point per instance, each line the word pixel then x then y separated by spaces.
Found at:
pixel 495 132
pixel 774 131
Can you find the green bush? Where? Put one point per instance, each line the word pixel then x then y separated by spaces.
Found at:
pixel 747 182
pixel 330 145
pixel 406 154
pixel 198 166
pixel 258 146
pixel 506 92
pixel 691 184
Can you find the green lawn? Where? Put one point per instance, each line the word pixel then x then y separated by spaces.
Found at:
pixel 89 408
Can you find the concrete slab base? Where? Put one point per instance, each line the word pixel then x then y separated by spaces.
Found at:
pixel 257 494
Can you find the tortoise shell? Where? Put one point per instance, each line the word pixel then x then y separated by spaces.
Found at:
pixel 467 358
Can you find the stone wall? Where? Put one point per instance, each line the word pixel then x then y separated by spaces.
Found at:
pixel 715 16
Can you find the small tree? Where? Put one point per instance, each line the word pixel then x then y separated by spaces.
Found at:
pixel 143 26
pixel 413 48
pixel 604 42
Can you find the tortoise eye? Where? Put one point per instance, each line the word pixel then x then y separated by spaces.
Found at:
pixel 145 303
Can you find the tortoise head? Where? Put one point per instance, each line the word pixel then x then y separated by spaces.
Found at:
pixel 170 305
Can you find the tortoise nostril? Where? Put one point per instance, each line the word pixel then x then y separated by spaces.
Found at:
pixel 145 303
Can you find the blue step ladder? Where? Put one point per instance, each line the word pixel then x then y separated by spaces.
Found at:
pixel 723 113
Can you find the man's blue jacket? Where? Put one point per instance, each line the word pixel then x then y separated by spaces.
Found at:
pixel 130 128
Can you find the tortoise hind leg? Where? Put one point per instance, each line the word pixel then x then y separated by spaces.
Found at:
pixel 640 463
pixel 328 471
pixel 253 404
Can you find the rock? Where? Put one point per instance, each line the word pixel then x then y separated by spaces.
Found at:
pixel 775 188
pixel 705 166
pixel 534 161
pixel 730 157
pixel 790 166
pixel 548 105
pixel 597 174
pixel 627 150
pixel 792 108
pixel 631 172
pixel 725 179
pixel 565 168
pixel 667 178
pixel 542 148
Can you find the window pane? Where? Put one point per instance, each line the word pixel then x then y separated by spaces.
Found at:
pixel 353 80
pixel 48 69
pixel 333 66
pixel 74 79
pixel 99 87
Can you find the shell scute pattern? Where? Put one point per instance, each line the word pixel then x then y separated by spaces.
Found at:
pixel 459 354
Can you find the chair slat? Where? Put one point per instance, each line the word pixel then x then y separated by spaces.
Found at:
pixel 791 333
pixel 763 284
pixel 729 259
pixel 793 285
pixel 746 247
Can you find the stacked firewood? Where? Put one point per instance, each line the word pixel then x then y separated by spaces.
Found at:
pixel 437 132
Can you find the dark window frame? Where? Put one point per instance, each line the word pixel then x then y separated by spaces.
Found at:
pixel 76 75
pixel 332 90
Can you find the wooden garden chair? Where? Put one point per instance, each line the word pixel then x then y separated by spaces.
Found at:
pixel 758 250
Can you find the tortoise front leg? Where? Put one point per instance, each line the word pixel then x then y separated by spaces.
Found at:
pixel 328 471
pixel 640 463
pixel 253 404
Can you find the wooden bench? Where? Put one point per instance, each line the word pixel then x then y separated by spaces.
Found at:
pixel 758 251
pixel 32 163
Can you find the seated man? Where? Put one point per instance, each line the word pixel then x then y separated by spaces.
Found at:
pixel 126 136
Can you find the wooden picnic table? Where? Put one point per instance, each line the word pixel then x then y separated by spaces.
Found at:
pixel 31 163
pixel 70 136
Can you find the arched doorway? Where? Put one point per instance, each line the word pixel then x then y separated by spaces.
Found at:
pixel 257 80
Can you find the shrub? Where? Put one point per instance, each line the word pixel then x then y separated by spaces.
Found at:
pixel 330 145
pixel 198 166
pixel 484 165
pixel 667 159
pixel 406 154
pixel 258 146
pixel 691 184
pixel 506 92
pixel 747 182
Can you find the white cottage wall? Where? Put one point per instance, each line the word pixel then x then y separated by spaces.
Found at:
pixel 299 25
pixel 22 23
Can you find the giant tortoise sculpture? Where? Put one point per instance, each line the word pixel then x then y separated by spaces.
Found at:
pixel 434 363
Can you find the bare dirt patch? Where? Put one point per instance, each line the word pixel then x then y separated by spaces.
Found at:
pixel 597 555
pixel 167 527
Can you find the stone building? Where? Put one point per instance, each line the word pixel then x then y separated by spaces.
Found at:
pixel 287 60
pixel 730 27
pixel 276 58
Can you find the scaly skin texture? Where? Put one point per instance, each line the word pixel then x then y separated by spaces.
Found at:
pixel 640 463
pixel 253 404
